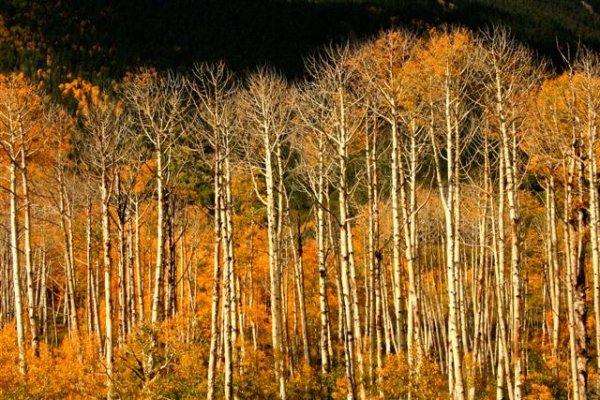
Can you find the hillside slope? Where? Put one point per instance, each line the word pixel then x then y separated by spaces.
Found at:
pixel 100 41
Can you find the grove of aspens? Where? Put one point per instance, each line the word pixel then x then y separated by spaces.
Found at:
pixel 416 218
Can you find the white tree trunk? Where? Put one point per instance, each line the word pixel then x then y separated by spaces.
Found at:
pixel 14 244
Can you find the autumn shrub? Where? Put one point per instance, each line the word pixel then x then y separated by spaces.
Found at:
pixel 426 383
pixel 142 361
pixel 259 376
pixel 158 363
pixel 69 371
pixel 547 377
pixel 308 384
pixel 184 362
pixel 12 385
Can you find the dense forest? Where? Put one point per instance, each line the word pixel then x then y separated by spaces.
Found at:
pixel 208 211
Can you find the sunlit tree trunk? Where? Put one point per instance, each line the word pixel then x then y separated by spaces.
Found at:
pixel 216 285
pixel 16 268
pixel 508 152
pixel 160 242
pixel 372 243
pixel 122 264
pixel 274 263
pixel 29 273
pixel 594 218
pixel 131 298
pixel 67 231
pixel 107 264
pixel 553 269
pixel 227 295
pixel 397 233
pixel 229 247
pixel 409 214
pixel 447 189
pixel 267 115
pixel 138 263
pixel 321 260
pixel 299 284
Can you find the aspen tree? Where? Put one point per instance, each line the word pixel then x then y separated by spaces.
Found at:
pixel 383 72
pixel 314 176
pixel 295 239
pixel 106 128
pixel 336 96
pixel 21 119
pixel 215 89
pixel 562 119
pixel 374 253
pixel 159 105
pixel 512 74
pixel 448 54
pixel 267 117
pixel 131 193
pixel 588 66
pixel 11 148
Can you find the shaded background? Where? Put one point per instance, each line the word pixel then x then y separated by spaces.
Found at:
pixel 102 40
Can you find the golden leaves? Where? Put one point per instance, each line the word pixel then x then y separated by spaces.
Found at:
pixel 84 92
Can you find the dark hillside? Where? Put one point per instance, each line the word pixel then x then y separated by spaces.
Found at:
pixel 100 41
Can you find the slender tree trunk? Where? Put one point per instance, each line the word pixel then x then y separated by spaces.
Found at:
pixel 508 150
pixel 321 261
pixel 131 298
pixel 409 211
pixel 578 225
pixel 107 261
pixel 29 273
pixel 396 232
pixel 447 196
pixel 229 249
pixel 160 242
pixel 372 244
pixel 553 268
pixel 66 226
pixel 228 295
pixel 16 276
pixel 594 218
pixel 274 265
pixel 138 263
pixel 299 279
pixel 216 287
pixel 122 265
